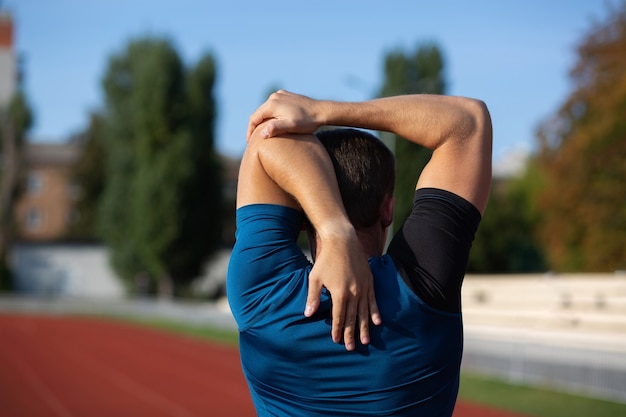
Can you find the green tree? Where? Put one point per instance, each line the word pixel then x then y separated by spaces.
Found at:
pixel 505 241
pixel 120 132
pixel 201 194
pixel 88 175
pixel 416 72
pixel 15 120
pixel 161 204
pixel 583 158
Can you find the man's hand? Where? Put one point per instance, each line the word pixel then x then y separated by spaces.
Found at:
pixel 342 268
pixel 285 112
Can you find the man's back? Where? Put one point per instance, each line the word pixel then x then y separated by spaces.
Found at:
pixel 410 367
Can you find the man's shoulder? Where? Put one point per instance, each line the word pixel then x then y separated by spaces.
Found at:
pixel 257 216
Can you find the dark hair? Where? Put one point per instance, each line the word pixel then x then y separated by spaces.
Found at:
pixel 365 170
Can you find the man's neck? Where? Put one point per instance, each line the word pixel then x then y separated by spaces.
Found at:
pixel 372 240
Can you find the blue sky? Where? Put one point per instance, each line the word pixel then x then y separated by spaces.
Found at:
pixel 513 55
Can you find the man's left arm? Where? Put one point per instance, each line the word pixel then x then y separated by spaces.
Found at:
pixel 295 171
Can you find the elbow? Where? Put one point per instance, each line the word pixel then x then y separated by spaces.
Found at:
pixel 478 115
pixel 477 124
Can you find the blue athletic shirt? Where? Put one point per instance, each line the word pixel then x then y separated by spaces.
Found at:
pixel 411 366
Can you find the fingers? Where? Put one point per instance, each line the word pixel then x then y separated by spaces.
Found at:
pixel 373 308
pixel 269 129
pixel 368 309
pixel 263 113
pixel 343 321
pixel 313 297
pixel 284 112
pixel 254 121
pixel 364 325
pixel 357 312
pixel 349 312
pixel 273 128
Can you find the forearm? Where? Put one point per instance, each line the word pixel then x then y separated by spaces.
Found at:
pixel 457 129
pixel 427 120
pixel 300 166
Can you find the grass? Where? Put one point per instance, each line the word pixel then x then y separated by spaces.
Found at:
pixel 483 390
pixel 532 401
pixel 211 334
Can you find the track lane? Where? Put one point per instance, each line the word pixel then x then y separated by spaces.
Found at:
pixel 70 366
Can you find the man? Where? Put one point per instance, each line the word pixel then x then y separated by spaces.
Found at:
pixel 408 364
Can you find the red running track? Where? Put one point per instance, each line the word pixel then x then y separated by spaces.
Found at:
pixel 67 366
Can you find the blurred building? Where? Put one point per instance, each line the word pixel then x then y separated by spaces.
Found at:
pixel 44 211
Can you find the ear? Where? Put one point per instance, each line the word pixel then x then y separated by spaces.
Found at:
pixel 386 210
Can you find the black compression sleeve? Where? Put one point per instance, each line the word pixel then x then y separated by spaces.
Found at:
pixel 431 249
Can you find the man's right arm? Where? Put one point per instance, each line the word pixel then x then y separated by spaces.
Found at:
pixel 295 171
pixel 458 129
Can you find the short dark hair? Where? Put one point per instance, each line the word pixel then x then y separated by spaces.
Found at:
pixel 365 170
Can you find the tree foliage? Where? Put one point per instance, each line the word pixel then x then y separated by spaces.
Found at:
pixel 202 199
pixel 583 158
pixel 505 241
pixel 163 184
pixel 88 175
pixel 15 120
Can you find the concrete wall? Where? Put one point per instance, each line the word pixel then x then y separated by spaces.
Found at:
pixel 64 270
pixel 566 332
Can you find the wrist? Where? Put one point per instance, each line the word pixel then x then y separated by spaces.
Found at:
pixel 336 230
pixel 324 112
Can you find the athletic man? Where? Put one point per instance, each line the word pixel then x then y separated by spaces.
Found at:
pixel 340 187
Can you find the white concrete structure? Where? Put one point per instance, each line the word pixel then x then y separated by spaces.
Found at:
pixel 566 332
pixel 64 270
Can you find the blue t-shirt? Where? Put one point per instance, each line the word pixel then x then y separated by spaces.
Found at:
pixel 293 368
